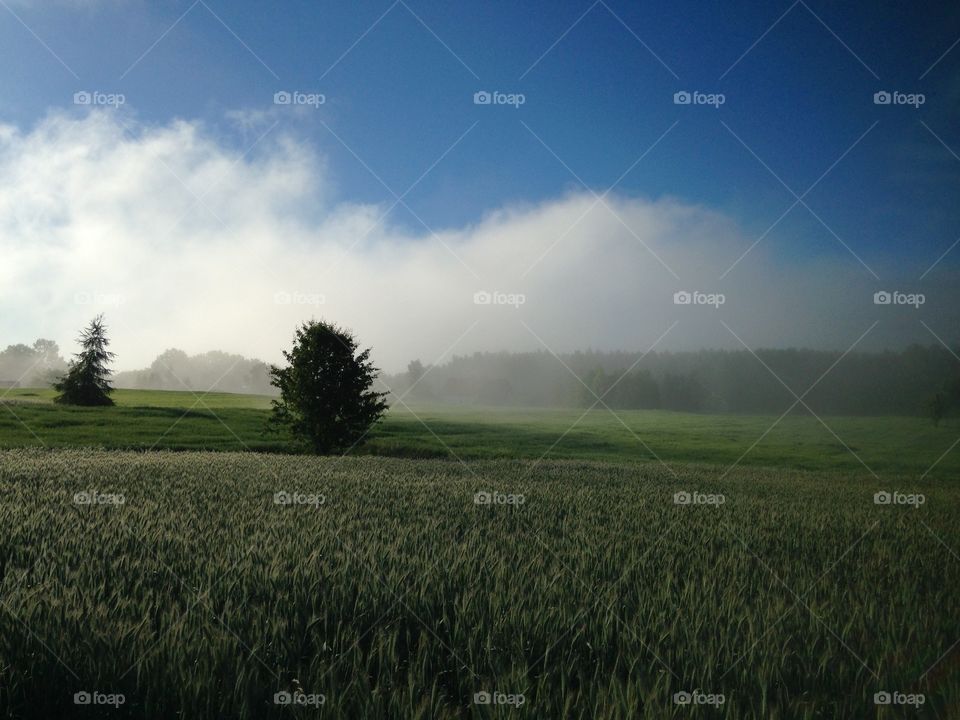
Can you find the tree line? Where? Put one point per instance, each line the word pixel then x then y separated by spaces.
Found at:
pixel 36 365
pixel 174 369
pixel 918 380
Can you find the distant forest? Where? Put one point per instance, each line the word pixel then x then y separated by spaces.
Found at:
pixel 39 365
pixel 215 370
pixel 920 380
pixel 916 381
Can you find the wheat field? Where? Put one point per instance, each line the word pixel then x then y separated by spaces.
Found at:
pixel 381 588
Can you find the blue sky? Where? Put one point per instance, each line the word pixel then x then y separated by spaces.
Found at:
pixel 598 80
pixel 598 99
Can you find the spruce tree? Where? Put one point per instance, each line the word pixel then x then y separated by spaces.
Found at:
pixel 87 381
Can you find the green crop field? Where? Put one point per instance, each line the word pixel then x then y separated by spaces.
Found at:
pixel 384 589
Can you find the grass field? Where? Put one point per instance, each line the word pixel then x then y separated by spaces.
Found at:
pixel 142 419
pixel 176 581
pixel 221 421
pixel 392 594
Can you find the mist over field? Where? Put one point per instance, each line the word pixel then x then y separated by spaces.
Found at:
pixel 185 241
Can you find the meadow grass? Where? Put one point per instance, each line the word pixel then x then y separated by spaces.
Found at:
pixel 148 398
pixel 221 421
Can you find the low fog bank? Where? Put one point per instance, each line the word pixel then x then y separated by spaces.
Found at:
pixel 215 371
pixel 100 213
pixel 40 365
pixel 36 365
pixel 715 381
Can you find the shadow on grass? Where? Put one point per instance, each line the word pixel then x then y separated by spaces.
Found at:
pixel 148 411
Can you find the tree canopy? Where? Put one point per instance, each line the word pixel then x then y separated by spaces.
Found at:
pixel 326 396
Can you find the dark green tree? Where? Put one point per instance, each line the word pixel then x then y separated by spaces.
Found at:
pixel 326 400
pixel 87 381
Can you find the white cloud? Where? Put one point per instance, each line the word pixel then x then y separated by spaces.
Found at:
pixel 89 209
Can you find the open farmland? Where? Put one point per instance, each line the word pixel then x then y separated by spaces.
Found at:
pixel 383 589
pixel 423 360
